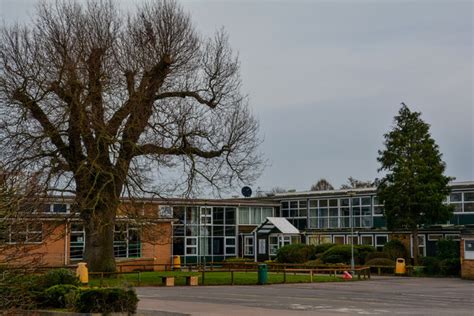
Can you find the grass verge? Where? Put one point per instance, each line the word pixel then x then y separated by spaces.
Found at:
pixel 211 278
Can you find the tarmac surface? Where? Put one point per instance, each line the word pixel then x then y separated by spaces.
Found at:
pixel 379 296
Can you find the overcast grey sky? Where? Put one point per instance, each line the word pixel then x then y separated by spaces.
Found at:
pixel 325 78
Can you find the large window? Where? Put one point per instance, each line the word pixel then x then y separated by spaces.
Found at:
pixel 57 208
pixel 77 241
pixel 462 201
pixel 254 215
pixel 29 233
pixel 296 212
pixel 126 241
pixel 336 212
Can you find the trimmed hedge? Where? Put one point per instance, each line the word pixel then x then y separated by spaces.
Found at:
pixel 451 266
pixel 296 253
pixel 342 254
pixel 106 300
pixel 60 276
pixel 322 248
pixel 431 264
pixel 56 296
pixel 447 249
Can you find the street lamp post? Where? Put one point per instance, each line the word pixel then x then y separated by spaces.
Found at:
pixel 351 216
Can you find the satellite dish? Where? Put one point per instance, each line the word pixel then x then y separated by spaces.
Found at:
pixel 246 191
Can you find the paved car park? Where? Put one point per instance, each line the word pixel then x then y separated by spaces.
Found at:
pixel 379 296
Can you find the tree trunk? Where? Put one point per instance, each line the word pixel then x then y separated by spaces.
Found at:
pixel 99 222
pixel 415 246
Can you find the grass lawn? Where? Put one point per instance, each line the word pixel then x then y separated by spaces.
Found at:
pixel 211 278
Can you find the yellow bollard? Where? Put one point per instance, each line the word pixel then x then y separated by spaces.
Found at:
pixel 82 272
pixel 176 262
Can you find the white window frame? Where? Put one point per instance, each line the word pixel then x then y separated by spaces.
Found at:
pixel 272 247
pixel 165 211
pixel 468 254
pixel 365 236
pixel 431 237
pixel 376 245
pixel 338 236
pixel 420 245
pixel 349 237
pixel 186 246
pixel 248 246
pixel 203 215
pixel 226 245
pixel 26 233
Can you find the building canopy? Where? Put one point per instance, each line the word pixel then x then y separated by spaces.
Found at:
pixel 276 224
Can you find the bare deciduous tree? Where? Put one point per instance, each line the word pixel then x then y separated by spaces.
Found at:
pixel 322 185
pixel 106 104
pixel 356 184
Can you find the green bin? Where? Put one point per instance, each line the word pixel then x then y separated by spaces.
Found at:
pixel 262 274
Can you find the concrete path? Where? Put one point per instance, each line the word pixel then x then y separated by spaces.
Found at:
pixel 379 296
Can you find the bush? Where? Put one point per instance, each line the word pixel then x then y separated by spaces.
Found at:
pixel 56 295
pixel 395 249
pixel 296 253
pixel 319 249
pixel 380 262
pixel 451 266
pixel 60 276
pixel 376 255
pixel 447 249
pixel 431 264
pixel 362 252
pixel 107 300
pixel 339 254
pixel 20 291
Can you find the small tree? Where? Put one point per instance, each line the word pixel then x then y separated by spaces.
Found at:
pixel 414 188
pixel 322 185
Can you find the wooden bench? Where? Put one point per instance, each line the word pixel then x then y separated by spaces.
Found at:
pixel 167 280
pixel 192 280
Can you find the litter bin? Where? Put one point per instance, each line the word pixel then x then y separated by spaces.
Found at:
pixel 262 274
pixel 400 267
pixel 176 262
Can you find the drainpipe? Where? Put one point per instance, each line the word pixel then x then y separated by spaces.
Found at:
pixel 66 242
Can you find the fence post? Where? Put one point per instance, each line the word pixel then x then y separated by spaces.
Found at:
pixel 284 275
pixel 369 274
pixel 358 274
pixel 203 277
pixel 101 278
pixel 232 277
pixel 379 270
pixel 311 275
pixel 138 277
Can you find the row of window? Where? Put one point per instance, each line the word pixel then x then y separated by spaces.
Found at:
pixel 462 201
pixel 127 243
pixel 205 246
pixel 19 233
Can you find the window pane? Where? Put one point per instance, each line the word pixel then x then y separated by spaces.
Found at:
pixel 256 214
pixel 378 210
pixel 303 204
pixel 356 201
pixel 267 212
pixel 59 208
pixel 344 202
pixel 323 212
pixel 313 203
pixel 323 203
pixel 284 204
pixel 218 215
pixel 294 204
pixel 366 240
pixel 455 197
pixel 230 230
pixel 457 207
pixel 218 246
pixel 468 207
pixel 469 196
pixel 230 216
pixel 333 202
pixel 366 201
pixel 339 240
pixel 192 216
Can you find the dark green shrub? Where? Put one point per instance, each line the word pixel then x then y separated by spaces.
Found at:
pixel 431 264
pixel 55 296
pixel 339 254
pixel 362 252
pixel 380 262
pixel 376 254
pixel 395 249
pixel 335 258
pixel 107 300
pixel 451 266
pixel 60 276
pixel 296 253
pixel 447 249
pixel 319 249
pixel 20 291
